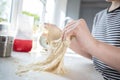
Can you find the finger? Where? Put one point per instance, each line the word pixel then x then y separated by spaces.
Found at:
pixel 68 33
pixel 69 24
pixel 82 22
pixel 65 34
pixel 69 27
pixel 72 28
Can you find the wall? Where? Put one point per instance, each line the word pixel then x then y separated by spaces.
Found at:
pixel 73 9
pixel 60 13
pixel 89 8
pixel 85 9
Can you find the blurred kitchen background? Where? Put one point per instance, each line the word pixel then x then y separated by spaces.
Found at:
pixel 85 9
pixel 52 11
pixel 24 19
pixel 26 16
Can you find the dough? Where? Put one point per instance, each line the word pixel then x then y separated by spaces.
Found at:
pixel 52 32
pixel 54 63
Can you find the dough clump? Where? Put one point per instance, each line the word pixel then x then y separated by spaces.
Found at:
pixel 54 63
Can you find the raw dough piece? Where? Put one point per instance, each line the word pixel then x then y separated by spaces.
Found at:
pixel 55 61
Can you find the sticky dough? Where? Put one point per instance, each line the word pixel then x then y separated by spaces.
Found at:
pixel 54 63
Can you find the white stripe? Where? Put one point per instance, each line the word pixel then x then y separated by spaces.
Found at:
pixel 109 33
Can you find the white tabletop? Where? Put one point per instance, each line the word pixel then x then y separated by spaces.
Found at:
pixel 79 68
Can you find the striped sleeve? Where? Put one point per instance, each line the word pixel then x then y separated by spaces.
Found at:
pixel 106 28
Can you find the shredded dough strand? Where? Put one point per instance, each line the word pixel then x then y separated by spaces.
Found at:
pixel 54 62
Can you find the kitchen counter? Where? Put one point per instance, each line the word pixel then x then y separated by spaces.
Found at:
pixel 79 68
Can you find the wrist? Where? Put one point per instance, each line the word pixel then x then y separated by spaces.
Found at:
pixel 93 46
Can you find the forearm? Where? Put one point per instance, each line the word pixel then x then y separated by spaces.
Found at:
pixel 84 54
pixel 107 53
pixel 78 49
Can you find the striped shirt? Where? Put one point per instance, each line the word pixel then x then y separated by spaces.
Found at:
pixel 106 28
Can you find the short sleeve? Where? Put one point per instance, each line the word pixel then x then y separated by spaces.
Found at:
pixel 94 23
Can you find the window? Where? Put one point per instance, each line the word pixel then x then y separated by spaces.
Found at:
pixel 50 11
pixel 30 15
pixel 33 8
pixel 5 10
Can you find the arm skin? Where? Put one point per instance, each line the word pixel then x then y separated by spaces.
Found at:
pixel 78 49
pixel 86 45
pixel 107 53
